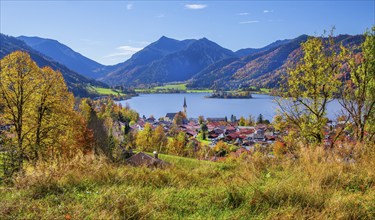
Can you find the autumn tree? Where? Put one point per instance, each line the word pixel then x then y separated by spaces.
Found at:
pixel 242 121
pixel 19 81
pixel 179 118
pixel 52 105
pixel 221 149
pixel 159 138
pixel 201 119
pixel 250 121
pixel 310 86
pixel 40 108
pixel 177 145
pixel 144 140
pixel 358 94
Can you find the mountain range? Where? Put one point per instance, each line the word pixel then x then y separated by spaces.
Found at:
pixel 199 62
pixel 167 60
pixel 76 83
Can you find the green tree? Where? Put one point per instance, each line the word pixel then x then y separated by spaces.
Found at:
pixel 359 91
pixel 204 130
pixel 260 119
pixel 101 137
pixel 311 85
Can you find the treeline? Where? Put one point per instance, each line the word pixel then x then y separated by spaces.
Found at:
pixel 46 122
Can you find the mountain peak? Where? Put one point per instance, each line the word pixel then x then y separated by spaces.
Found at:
pixel 164 38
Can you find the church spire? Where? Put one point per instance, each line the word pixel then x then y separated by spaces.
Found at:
pixel 185 106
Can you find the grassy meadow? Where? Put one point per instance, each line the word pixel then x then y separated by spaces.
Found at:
pixel 173 87
pixel 317 185
pixel 106 91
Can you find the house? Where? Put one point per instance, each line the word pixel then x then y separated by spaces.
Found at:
pixel 142 159
pixel 259 134
pixel 216 119
pixel 169 116
pixel 191 133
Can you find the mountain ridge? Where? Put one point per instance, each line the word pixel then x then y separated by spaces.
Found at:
pixel 75 82
pixel 178 63
pixel 205 64
pixel 66 56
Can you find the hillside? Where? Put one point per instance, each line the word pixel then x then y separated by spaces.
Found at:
pixel 168 60
pixel 66 56
pixel 261 69
pixel 255 188
pixel 76 83
pixel 249 51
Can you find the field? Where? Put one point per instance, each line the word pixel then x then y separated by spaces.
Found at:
pixel 173 88
pixel 259 188
pixel 105 91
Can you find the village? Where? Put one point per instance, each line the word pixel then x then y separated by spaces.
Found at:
pixel 211 131
pixel 242 138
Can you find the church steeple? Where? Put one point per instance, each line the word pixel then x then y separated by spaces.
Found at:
pixel 185 106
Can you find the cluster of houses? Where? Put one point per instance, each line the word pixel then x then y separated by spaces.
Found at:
pixel 218 129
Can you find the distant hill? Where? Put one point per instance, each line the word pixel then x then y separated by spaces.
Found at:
pixel 76 83
pixel 168 60
pixel 66 56
pixel 262 68
pixel 249 51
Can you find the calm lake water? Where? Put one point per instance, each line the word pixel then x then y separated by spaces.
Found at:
pixel 160 104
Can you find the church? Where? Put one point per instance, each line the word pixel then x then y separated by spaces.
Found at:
pixel 170 116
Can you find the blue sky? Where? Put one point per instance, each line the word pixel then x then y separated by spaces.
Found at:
pixel 111 31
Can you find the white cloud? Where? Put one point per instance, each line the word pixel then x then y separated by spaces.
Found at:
pixel 129 6
pixel 130 48
pixel 195 6
pixel 160 16
pixel 248 22
pixel 125 51
pixel 267 11
pixel 243 13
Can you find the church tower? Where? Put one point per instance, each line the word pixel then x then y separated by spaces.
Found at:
pixel 185 107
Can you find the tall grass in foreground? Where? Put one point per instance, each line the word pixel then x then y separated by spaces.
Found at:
pixel 316 185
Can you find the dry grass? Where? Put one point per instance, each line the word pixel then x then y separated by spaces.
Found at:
pixel 317 185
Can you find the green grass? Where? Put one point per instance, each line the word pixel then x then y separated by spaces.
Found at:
pixel 200 139
pixel 257 188
pixel 170 87
pixel 105 91
pixel 265 90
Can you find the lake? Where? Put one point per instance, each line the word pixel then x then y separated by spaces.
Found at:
pixel 160 104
